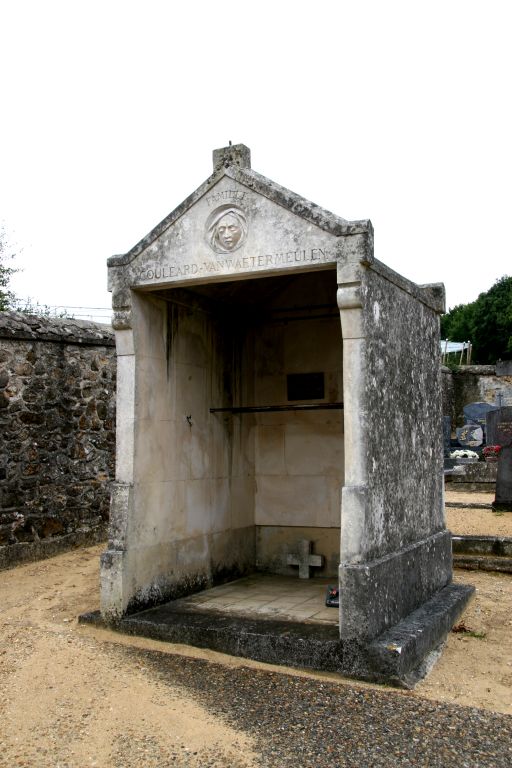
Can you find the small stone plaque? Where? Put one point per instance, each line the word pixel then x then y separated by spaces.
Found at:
pixel 305 386
pixel 470 435
pixel 499 426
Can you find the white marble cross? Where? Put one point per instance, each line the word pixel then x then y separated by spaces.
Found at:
pixel 304 559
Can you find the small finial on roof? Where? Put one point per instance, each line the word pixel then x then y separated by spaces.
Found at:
pixel 235 154
pixel 230 142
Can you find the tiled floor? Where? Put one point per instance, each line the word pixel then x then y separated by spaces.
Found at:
pixel 276 597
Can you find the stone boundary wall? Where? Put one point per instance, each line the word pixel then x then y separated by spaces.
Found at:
pixel 470 384
pixel 57 434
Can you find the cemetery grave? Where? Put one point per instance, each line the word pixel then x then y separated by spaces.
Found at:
pixel 257 389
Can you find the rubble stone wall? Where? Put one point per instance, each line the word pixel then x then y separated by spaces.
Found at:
pixel 473 383
pixel 57 434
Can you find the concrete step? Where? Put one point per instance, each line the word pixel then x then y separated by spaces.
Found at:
pixel 482 553
pixel 468 505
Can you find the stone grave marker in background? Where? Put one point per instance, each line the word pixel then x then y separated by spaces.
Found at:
pixel 476 413
pixel 504 368
pixel 499 426
pixel 500 430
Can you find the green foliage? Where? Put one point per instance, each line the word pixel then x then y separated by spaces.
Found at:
pixel 452 361
pixel 6 296
pixel 486 322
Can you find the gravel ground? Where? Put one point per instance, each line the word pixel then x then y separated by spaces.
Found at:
pixel 74 696
pixel 297 721
pixel 476 522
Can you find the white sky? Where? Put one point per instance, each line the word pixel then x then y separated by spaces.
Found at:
pixel 394 111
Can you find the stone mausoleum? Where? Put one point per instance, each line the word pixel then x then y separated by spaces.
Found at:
pixel 278 412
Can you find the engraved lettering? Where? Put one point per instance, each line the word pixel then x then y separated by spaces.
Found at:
pixel 233 195
pixel 173 271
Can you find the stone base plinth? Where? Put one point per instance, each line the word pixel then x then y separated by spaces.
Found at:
pixel 375 595
pixel 399 657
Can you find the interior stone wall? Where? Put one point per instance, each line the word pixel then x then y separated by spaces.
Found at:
pixel 192 514
pixel 211 496
pixel 299 456
pixel 57 422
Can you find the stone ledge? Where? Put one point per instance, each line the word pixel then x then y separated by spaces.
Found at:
pixel 459 487
pixel 24 327
pixel 404 653
pixel 499 546
pixel 314 646
pixel 13 555
pixel 375 595
pixel 467 505
pixel 483 563
pixel 399 657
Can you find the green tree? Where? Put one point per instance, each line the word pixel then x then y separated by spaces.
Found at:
pixel 6 272
pixel 486 322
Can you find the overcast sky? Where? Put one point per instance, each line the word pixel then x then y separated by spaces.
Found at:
pixel 394 111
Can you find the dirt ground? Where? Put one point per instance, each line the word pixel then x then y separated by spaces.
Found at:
pixel 69 697
pixel 477 522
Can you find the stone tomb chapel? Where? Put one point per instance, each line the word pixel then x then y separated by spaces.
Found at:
pixel 279 405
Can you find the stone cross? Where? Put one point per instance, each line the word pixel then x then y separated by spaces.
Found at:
pixel 304 559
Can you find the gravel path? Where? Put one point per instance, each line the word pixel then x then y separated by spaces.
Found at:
pixel 74 697
pixel 304 722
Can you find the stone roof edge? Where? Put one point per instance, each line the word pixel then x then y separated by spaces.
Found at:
pixel 296 204
pixel 475 370
pixel 25 327
pixel 431 294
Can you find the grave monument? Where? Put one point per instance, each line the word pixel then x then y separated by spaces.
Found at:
pixel 279 405
pixel 499 431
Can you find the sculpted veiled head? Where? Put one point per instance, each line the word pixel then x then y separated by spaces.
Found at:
pixel 226 228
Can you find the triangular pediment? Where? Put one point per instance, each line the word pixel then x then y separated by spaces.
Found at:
pixel 237 221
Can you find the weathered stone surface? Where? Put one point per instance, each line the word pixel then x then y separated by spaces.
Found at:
pixel 499 426
pixel 474 383
pixel 239 288
pixel 399 417
pixel 479 476
pixel 500 546
pixel 503 500
pixel 399 657
pixel 402 653
pixel 57 426
pixel 504 368
pixel 378 593
pixel 447 435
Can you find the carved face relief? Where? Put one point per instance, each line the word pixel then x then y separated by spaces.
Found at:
pixel 226 229
pixel 229 232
